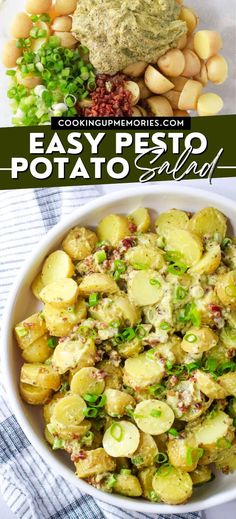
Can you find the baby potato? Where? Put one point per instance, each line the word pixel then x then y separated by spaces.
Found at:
pixel 113 228
pixel 79 243
pixel 127 485
pixel 49 406
pixel 30 330
pixel 228 383
pixel 153 416
pixel 60 293
pixel 212 429
pixel 207 43
pixel 62 24
pixel 189 16
pixel 34 395
pixel 202 75
pixel 172 63
pixel 159 106
pixel 121 439
pixel 208 221
pixel 148 257
pixel 97 283
pixel 70 354
pixel 190 95
pixel 38 6
pixel 130 349
pixel 68 410
pixel 183 453
pixel 37 286
pixel 209 386
pixel 38 351
pixel 172 485
pixel 21 26
pixel 198 340
pixel 117 401
pixel 29 81
pixel 141 219
pixel 97 461
pixel 10 54
pixel 182 42
pixel 173 97
pixel 217 69
pixel 142 371
pixel 169 219
pixel 209 104
pixel 181 113
pixel 201 475
pixel 188 244
pixel 87 381
pixel 226 289
pixel 67 39
pixel 114 374
pixel 58 265
pixel 192 63
pixel 65 6
pixel 144 90
pixel 156 82
pixel 145 477
pixel 40 375
pixel 226 459
pixel 179 83
pixel 135 69
pixel 209 262
pixel 133 88
pixel 61 321
pixel 146 452
pixel 145 287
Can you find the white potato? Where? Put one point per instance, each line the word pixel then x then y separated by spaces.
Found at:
pixel 142 371
pixel 38 351
pixel 153 416
pixel 60 293
pixel 133 88
pixel 30 330
pixel 141 219
pixel 188 244
pixel 121 439
pixel 146 452
pixel 209 262
pixel 145 287
pixel 34 395
pixel 97 283
pixel 40 375
pixel 87 381
pixel 70 354
pixel 169 219
pixel 208 221
pixel 208 386
pixel 172 485
pixel 213 428
pixel 190 95
pixel 172 63
pixel 97 461
pixel 68 410
pixel 157 82
pixel 58 265
pixel 61 321
pixel 113 228
pixel 198 340
pixel 127 485
pixel 117 401
pixel 226 288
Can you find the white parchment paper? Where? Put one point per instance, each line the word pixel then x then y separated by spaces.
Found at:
pixel 214 14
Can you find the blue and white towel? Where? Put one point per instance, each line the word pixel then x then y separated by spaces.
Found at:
pixel 28 485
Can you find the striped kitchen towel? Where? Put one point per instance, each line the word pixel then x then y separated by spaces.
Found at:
pixel 28 485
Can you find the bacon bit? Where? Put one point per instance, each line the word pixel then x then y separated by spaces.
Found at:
pixel 82 455
pixel 132 226
pixel 127 243
pixel 103 326
pixel 62 339
pixel 173 380
pixel 198 405
pixel 215 309
pixel 110 98
pixel 99 375
pixel 99 355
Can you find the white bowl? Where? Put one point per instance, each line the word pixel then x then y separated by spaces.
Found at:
pixel 21 303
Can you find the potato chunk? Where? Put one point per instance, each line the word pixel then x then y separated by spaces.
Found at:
pixel 96 461
pixel 184 453
pixel 208 221
pixel 169 219
pixel 127 485
pixel 172 485
pixel 57 266
pixel 97 283
pixel 113 228
pixel 188 244
pixel 121 439
pixel 142 371
pixel 60 293
pixel 87 381
pixel 228 383
pixel 40 375
pixel 208 386
pixel 72 353
pixel 68 410
pixel 61 321
pixel 213 428
pixel 201 475
pixel 226 288
pixel 34 395
pixel 141 219
pixel 153 416
pixel 209 262
pixel 79 243
pixel 37 286
pixel 146 451
pixel 145 287
pixel 198 340
pixel 30 330
pixel 38 351
pixel 146 477
pixel 117 401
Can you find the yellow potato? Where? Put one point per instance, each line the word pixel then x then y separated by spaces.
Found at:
pixel 71 354
pixel 209 262
pixel 117 401
pixel 61 321
pixel 60 293
pixel 10 54
pixel 145 477
pixel 201 475
pixel 130 349
pixel 127 485
pixel 183 453
pixel 208 221
pixel 114 374
pixel 159 106
pixel 135 69
pixel 156 82
pixel 40 375
pixel 65 6
pixel 97 283
pixel 68 410
pixel 209 104
pixel 141 219
pixel 38 6
pixel 133 88
pixel 58 265
pixel 79 243
pixel 188 244
pixel 144 90
pixel 189 16
pixel 181 113
pixel 148 257
pixel 182 42
pixel 172 485
pixel 153 416
pixel 30 330
pixel 198 340
pixel 179 83
pixel 212 429
pixel 97 461
pixel 202 76
pixel 217 69
pixel 228 383
pixel 37 286
pixel 121 439
pixel 146 452
pixel 142 371
pixel 67 39
pixel 208 386
pixel 113 228
pixel 21 26
pixel 226 288
pixel 29 81
pixel 87 381
pixel 190 95
pixel 145 287
pixel 192 63
pixel 172 63
pixel 207 43
pixel 173 97
pixel 38 351
pixel 62 24
pixel 34 395
pixel 169 219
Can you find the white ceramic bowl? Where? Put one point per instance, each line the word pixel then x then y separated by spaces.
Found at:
pixel 22 303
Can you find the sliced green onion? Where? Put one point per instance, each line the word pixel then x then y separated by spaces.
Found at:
pixel 52 342
pixel 165 326
pixel 120 268
pixel 90 412
pixel 58 444
pixel 155 282
pixel 88 397
pixel 64 387
pixel 210 365
pixel 189 459
pixel 111 481
pixel 100 402
pixel 173 432
pixel 199 453
pixel 225 243
pixel 153 496
pixel 125 472
pixel 181 293
pixel 140 266
pixel 227 367
pixel 137 460
pixel 150 354
pixel 71 309
pixel 140 331
pixel 117 432
pixel 161 457
pixel 155 413
pixel 21 331
pixel 172 256
pixel 190 337
pixel 156 390
pixel 100 256
pixel 192 366
pixel 223 443
pixel 178 269
pixel 128 334
pixel 93 299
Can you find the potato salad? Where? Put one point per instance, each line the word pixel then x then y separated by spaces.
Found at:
pixel 132 356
